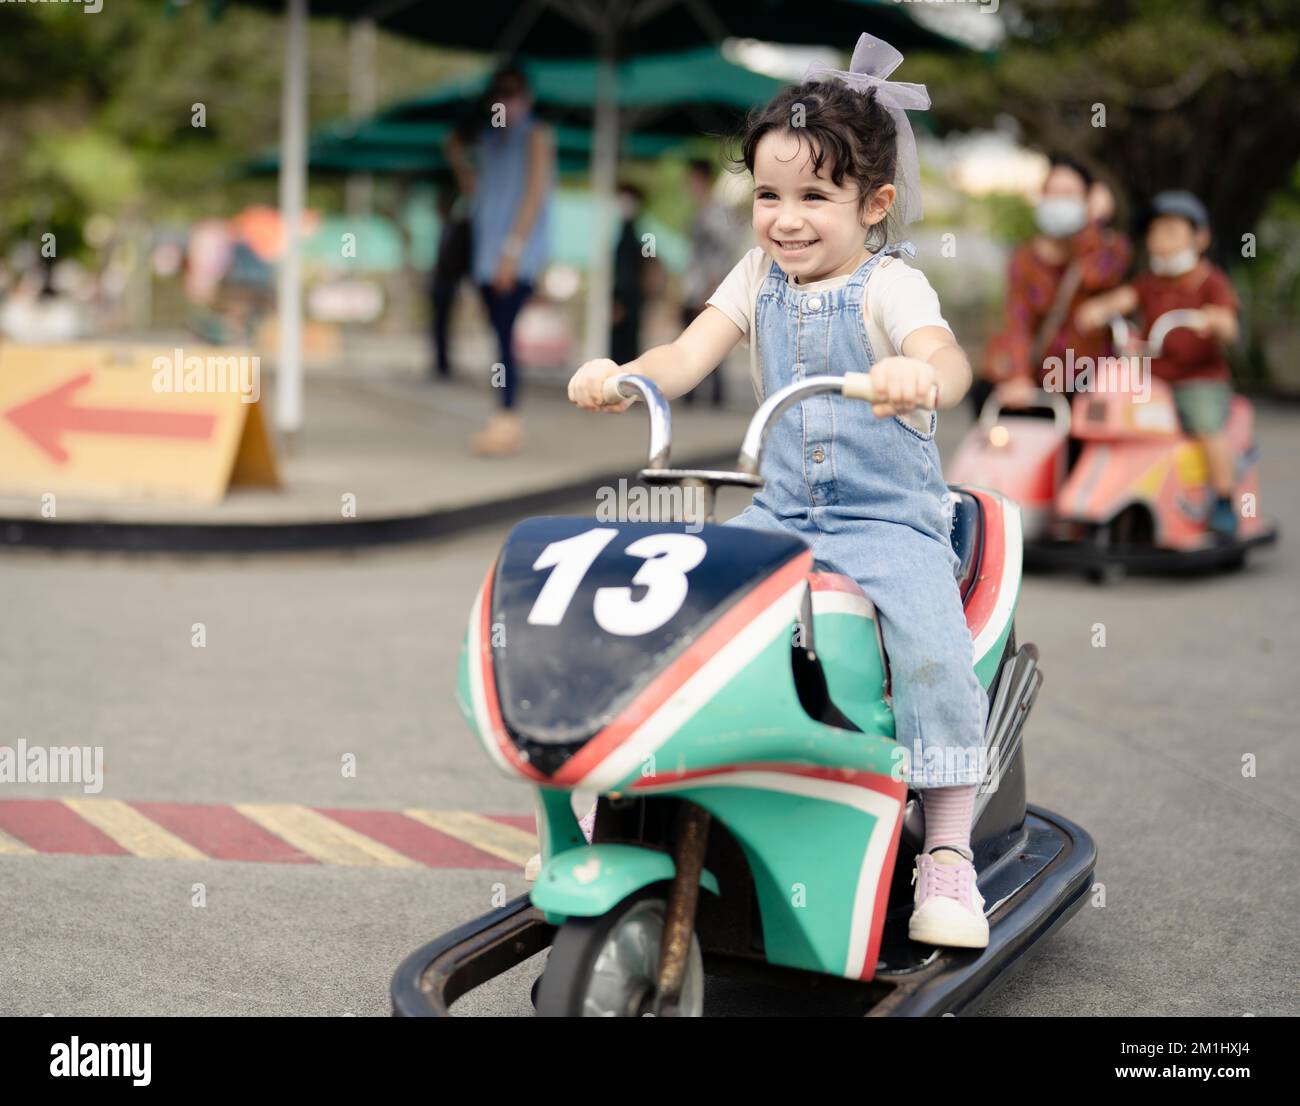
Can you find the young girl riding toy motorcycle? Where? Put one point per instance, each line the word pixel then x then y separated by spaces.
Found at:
pixel 833 162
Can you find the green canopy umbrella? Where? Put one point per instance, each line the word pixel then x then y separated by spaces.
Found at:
pixel 665 100
pixel 682 93
pixel 373 146
pixel 608 30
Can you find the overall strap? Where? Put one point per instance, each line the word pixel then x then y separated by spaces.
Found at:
pixel 863 271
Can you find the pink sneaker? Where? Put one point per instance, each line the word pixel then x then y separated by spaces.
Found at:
pixel 948 910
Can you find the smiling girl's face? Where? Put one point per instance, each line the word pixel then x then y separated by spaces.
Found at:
pixel 814 228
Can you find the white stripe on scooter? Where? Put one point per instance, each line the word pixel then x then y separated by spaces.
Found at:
pixel 842 602
pixel 882 807
pixel 1009 585
pixel 678 708
pixel 486 732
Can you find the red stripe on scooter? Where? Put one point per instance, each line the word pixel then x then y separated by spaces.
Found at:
pixel 984 595
pixel 48 826
pixel 489 681
pixel 415 840
pixel 222 833
pixel 874 781
pixel 883 880
pixel 834 581
pixel 697 654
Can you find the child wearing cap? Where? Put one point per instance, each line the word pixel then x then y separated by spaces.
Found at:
pixel 1179 276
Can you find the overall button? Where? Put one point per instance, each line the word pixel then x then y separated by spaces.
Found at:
pixel 815 303
pixel 819 455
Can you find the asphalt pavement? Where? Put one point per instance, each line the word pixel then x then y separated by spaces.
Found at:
pixel 326 683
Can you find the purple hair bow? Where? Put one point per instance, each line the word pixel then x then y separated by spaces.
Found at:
pixel 873 61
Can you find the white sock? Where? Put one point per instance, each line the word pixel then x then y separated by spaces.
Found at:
pixel 949 812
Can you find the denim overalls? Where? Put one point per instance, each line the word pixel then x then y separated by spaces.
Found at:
pixel 868 496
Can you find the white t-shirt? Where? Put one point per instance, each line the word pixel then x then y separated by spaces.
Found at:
pixel 898 300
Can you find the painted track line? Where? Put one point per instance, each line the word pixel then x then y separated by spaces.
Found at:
pixel 483 833
pixel 322 838
pixel 50 826
pixel 267 833
pixel 13 846
pixel 131 830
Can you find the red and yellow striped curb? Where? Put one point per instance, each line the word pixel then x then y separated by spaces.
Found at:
pixel 271 833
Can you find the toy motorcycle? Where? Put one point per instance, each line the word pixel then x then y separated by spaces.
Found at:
pixel 1111 483
pixel 729 701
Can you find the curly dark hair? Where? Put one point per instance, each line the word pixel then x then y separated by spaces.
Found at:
pixel 847 131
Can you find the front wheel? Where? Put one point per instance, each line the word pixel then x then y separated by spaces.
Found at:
pixel 607 967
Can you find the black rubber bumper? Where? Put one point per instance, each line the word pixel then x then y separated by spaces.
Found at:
pixel 434 976
pixel 1062 556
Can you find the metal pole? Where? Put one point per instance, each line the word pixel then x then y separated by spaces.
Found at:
pixel 362 98
pixel 293 187
pixel 604 167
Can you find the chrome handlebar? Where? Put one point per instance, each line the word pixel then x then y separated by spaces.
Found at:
pixel 1042 400
pixel 1170 320
pixel 1121 331
pixel 633 386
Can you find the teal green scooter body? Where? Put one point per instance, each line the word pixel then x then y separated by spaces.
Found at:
pixel 794 756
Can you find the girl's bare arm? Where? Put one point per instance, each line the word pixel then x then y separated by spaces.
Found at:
pixel 930 357
pixel 676 368
pixel 1095 313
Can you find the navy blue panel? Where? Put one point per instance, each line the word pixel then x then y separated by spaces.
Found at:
pixel 967 538
pixel 560 684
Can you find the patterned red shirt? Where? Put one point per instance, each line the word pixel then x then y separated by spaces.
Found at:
pixel 1104 256
pixel 1188 355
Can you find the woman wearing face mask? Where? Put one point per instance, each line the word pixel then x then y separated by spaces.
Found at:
pixel 1071 258
pixel 511 185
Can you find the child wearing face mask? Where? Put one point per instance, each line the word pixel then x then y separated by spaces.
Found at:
pixel 1177 277
pixel 822 293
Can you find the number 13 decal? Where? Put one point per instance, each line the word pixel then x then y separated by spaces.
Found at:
pixel 668 558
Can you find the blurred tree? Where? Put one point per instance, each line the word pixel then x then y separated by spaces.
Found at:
pixel 98 113
pixel 1197 94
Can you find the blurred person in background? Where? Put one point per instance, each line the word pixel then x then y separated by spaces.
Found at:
pixel 35 312
pixel 208 255
pixel 713 248
pixel 1179 277
pixel 510 182
pixel 629 278
pixel 450 267
pixel 1074 256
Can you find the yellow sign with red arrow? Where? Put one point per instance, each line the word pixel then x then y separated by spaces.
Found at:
pixel 102 421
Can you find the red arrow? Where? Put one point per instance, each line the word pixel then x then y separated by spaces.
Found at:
pixel 51 414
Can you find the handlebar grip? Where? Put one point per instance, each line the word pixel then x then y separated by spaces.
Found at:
pixel 610 391
pixel 858 386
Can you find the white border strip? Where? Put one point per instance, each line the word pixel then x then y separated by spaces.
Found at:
pixel 842 602
pixel 487 734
